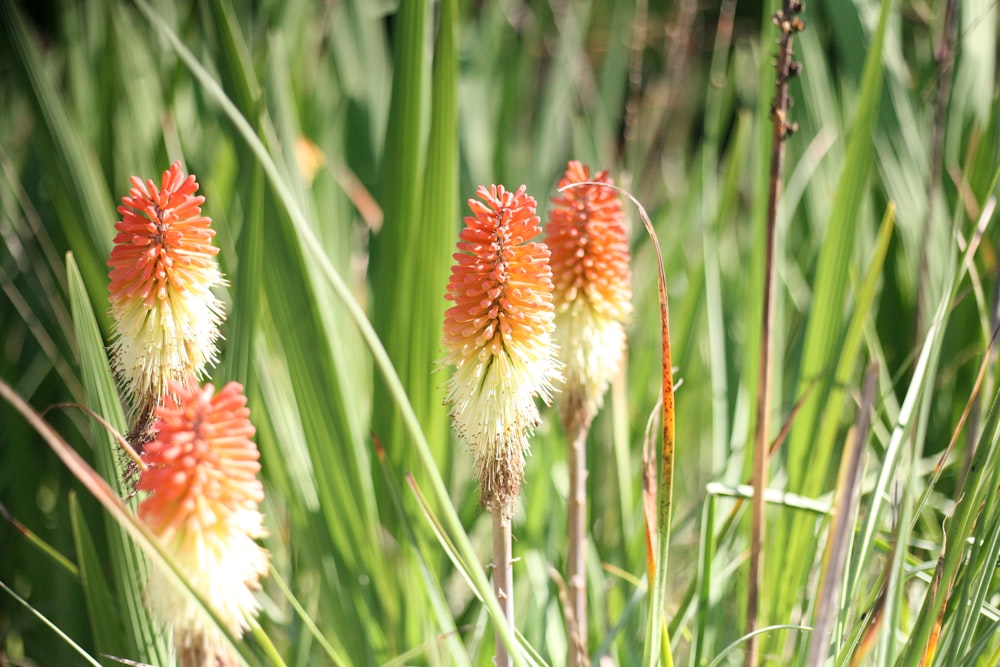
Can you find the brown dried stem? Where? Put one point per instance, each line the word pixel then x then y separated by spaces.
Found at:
pixel 788 23
pixel 576 573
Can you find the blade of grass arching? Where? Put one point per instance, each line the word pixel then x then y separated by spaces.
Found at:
pixel 96 592
pixel 122 517
pixel 718 661
pixel 80 197
pixel 808 459
pixel 838 545
pixel 128 565
pixel 311 246
pixel 52 626
pixel 657 646
pixel 394 262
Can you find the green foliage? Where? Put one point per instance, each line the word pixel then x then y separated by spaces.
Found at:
pixel 335 304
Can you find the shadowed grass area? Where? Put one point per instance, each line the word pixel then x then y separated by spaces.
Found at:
pixel 336 143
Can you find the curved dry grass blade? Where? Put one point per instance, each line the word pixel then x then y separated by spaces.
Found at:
pixel 656 627
pixel 126 447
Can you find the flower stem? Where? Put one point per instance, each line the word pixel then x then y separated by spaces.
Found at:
pixel 576 575
pixel 503 578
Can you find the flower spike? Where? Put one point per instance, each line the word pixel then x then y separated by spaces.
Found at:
pixel 498 335
pixel 590 265
pixel 204 494
pixel 162 271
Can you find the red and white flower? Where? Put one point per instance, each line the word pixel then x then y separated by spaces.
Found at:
pixel 163 271
pixel 590 266
pixel 498 335
pixel 203 502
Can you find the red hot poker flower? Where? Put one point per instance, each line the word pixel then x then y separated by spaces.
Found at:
pixel 163 270
pixel 498 335
pixel 590 265
pixel 204 494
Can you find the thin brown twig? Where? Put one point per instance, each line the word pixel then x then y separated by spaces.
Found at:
pixel 788 23
pixel 122 442
pixel 576 572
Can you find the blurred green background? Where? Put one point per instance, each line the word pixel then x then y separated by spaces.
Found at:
pixel 336 142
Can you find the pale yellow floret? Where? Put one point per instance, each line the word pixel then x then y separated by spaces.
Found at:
pixel 493 407
pixel 591 347
pixel 219 562
pixel 174 338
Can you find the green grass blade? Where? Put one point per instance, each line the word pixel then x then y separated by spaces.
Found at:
pixel 52 626
pixel 82 199
pixel 128 564
pixel 413 246
pixel 427 262
pixel 101 612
